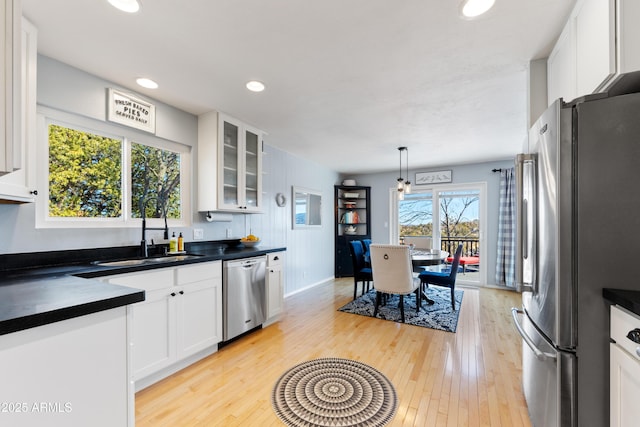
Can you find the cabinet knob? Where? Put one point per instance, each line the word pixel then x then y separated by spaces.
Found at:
pixel 173 294
pixel 634 335
pixel 34 192
pixel 181 292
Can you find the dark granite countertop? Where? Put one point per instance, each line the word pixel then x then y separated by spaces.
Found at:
pixel 28 303
pixel 624 298
pixel 41 288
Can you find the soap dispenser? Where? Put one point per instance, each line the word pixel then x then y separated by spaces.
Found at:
pixel 180 243
pixel 173 243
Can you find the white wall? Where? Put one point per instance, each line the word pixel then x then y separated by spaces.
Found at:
pixel 309 252
pixel 381 183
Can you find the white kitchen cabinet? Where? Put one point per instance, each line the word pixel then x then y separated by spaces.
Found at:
pixel 180 317
pixel 229 165
pixel 18 186
pixel 275 286
pixel 71 373
pixel 624 370
pixel 199 307
pixel 627 36
pixel 599 43
pixel 10 17
pixel 594 25
pixel 625 389
pixel 152 335
pixel 561 68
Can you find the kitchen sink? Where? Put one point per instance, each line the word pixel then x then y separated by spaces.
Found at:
pixel 172 258
pixel 144 261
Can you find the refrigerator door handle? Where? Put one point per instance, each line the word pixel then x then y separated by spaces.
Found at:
pixel 540 355
pixel 525 230
pixel 525 222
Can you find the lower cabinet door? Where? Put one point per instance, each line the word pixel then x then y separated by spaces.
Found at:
pixel 199 316
pixel 624 388
pixel 153 333
pixel 274 291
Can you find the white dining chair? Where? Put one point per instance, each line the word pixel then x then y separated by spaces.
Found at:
pixel 393 274
pixel 419 242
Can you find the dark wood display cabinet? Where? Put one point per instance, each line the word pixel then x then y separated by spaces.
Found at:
pixel 352 222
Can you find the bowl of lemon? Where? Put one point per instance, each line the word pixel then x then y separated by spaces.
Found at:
pixel 250 241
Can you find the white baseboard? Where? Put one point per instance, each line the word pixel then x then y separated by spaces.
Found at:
pixel 313 285
pixel 145 382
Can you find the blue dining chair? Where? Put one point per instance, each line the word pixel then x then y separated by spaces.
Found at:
pixel 361 272
pixel 367 244
pixel 447 279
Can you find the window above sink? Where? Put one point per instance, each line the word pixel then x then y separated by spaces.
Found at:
pixel 94 174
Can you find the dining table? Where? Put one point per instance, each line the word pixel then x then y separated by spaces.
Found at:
pixel 421 258
pixel 425 258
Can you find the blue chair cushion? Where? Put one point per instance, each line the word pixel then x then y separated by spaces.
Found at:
pixel 426 274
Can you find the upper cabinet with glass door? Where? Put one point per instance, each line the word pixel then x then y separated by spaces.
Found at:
pixel 229 165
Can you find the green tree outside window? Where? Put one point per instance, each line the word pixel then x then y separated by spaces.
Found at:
pixel 84 174
pixel 85 177
pixel 155 179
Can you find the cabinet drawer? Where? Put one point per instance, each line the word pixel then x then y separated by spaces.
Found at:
pixel 148 280
pixel 199 272
pixel 622 322
pixel 275 258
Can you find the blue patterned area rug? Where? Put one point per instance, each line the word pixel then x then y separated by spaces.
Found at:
pixel 440 315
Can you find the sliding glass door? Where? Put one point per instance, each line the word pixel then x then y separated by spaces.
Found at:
pixel 458 214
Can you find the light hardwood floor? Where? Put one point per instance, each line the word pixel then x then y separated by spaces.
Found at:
pixel 468 378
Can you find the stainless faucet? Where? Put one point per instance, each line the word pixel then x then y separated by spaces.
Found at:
pixel 144 250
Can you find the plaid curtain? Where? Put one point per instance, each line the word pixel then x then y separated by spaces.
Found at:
pixel 506 259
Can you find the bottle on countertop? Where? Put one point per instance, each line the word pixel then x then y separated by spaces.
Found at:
pixel 173 243
pixel 180 243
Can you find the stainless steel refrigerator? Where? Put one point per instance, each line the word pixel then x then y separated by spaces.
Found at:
pixel 578 232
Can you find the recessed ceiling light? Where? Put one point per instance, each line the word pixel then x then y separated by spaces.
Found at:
pixel 130 6
pixel 255 86
pixel 475 8
pixel 148 83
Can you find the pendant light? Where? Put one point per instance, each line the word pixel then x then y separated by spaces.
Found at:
pixel 400 179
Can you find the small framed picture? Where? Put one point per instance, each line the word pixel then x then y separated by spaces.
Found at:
pixel 438 177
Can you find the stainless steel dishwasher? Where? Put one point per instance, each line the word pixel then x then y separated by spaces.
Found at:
pixel 243 295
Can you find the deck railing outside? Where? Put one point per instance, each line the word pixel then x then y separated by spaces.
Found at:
pixel 470 245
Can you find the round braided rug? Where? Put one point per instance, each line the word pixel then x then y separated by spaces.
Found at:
pixel 334 392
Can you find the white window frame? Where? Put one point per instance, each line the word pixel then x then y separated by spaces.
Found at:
pixel 47 116
pixel 481 187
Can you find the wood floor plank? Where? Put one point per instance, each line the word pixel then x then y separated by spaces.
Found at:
pixel 468 378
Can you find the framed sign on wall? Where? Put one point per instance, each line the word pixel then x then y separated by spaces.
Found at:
pixel 131 111
pixel 438 177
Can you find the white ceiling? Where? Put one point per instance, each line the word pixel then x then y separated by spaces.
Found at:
pixel 347 81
